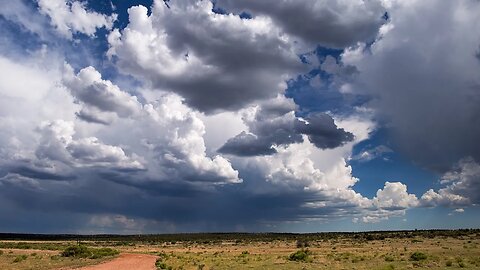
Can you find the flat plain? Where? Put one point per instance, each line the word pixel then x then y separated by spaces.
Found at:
pixel 459 249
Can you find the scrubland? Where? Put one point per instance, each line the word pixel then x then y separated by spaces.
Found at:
pixel 373 250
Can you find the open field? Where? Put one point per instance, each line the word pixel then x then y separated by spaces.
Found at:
pixel 373 250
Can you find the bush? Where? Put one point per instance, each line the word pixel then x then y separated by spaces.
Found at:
pixel 302 244
pixel 389 258
pixel 299 255
pixel 20 258
pixel 448 263
pixel 1 252
pixel 418 256
pixel 161 265
pixel 81 251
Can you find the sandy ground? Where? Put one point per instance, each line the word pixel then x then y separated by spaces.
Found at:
pixel 126 261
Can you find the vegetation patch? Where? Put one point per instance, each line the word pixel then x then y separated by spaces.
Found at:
pixel 418 256
pixel 300 256
pixel 162 265
pixel 81 251
pixel 20 258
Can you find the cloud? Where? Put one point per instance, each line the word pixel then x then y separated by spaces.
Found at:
pixel 429 97
pixel 71 17
pixel 394 196
pixel 373 153
pixel 462 186
pixel 179 49
pixel 25 15
pixel 158 135
pixel 273 123
pixel 336 24
pixel 98 97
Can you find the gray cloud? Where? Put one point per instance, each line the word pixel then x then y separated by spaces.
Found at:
pixel 99 98
pixel 275 124
pixel 251 61
pixel 461 186
pixel 425 81
pixel 329 23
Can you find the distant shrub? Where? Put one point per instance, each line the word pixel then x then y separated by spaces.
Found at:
pixel 462 265
pixel 1 252
pixel 389 258
pixel 418 256
pixel 448 263
pixel 20 258
pixel 81 251
pixel 302 243
pixel 299 255
pixel 33 254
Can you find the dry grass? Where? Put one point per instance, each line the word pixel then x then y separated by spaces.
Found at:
pixel 22 259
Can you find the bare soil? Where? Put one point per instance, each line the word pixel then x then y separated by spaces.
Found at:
pixel 126 261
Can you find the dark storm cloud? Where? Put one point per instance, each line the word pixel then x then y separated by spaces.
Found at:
pixel 37 173
pixel 322 131
pixel 267 133
pixel 425 81
pixel 220 209
pixel 245 144
pixel 336 24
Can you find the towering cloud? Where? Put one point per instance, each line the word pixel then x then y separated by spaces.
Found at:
pixel 215 61
pixel 329 23
pixel 423 72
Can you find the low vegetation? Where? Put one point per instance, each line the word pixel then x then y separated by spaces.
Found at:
pixel 369 250
pixel 81 251
pixel 300 256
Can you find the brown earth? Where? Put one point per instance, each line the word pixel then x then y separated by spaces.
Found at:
pixel 126 261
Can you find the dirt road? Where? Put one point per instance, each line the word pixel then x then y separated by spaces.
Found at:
pixel 126 261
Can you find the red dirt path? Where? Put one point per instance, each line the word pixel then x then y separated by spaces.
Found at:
pixel 126 261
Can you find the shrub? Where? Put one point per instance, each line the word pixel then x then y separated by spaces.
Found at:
pixel 302 243
pixel 448 263
pixel 299 255
pixel 160 264
pixel 389 258
pixel 81 251
pixel 1 252
pixel 418 256
pixel 77 251
pixel 20 258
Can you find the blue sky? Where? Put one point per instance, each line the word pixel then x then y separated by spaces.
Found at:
pixel 188 116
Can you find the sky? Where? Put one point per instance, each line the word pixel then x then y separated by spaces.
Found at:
pixel 175 116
